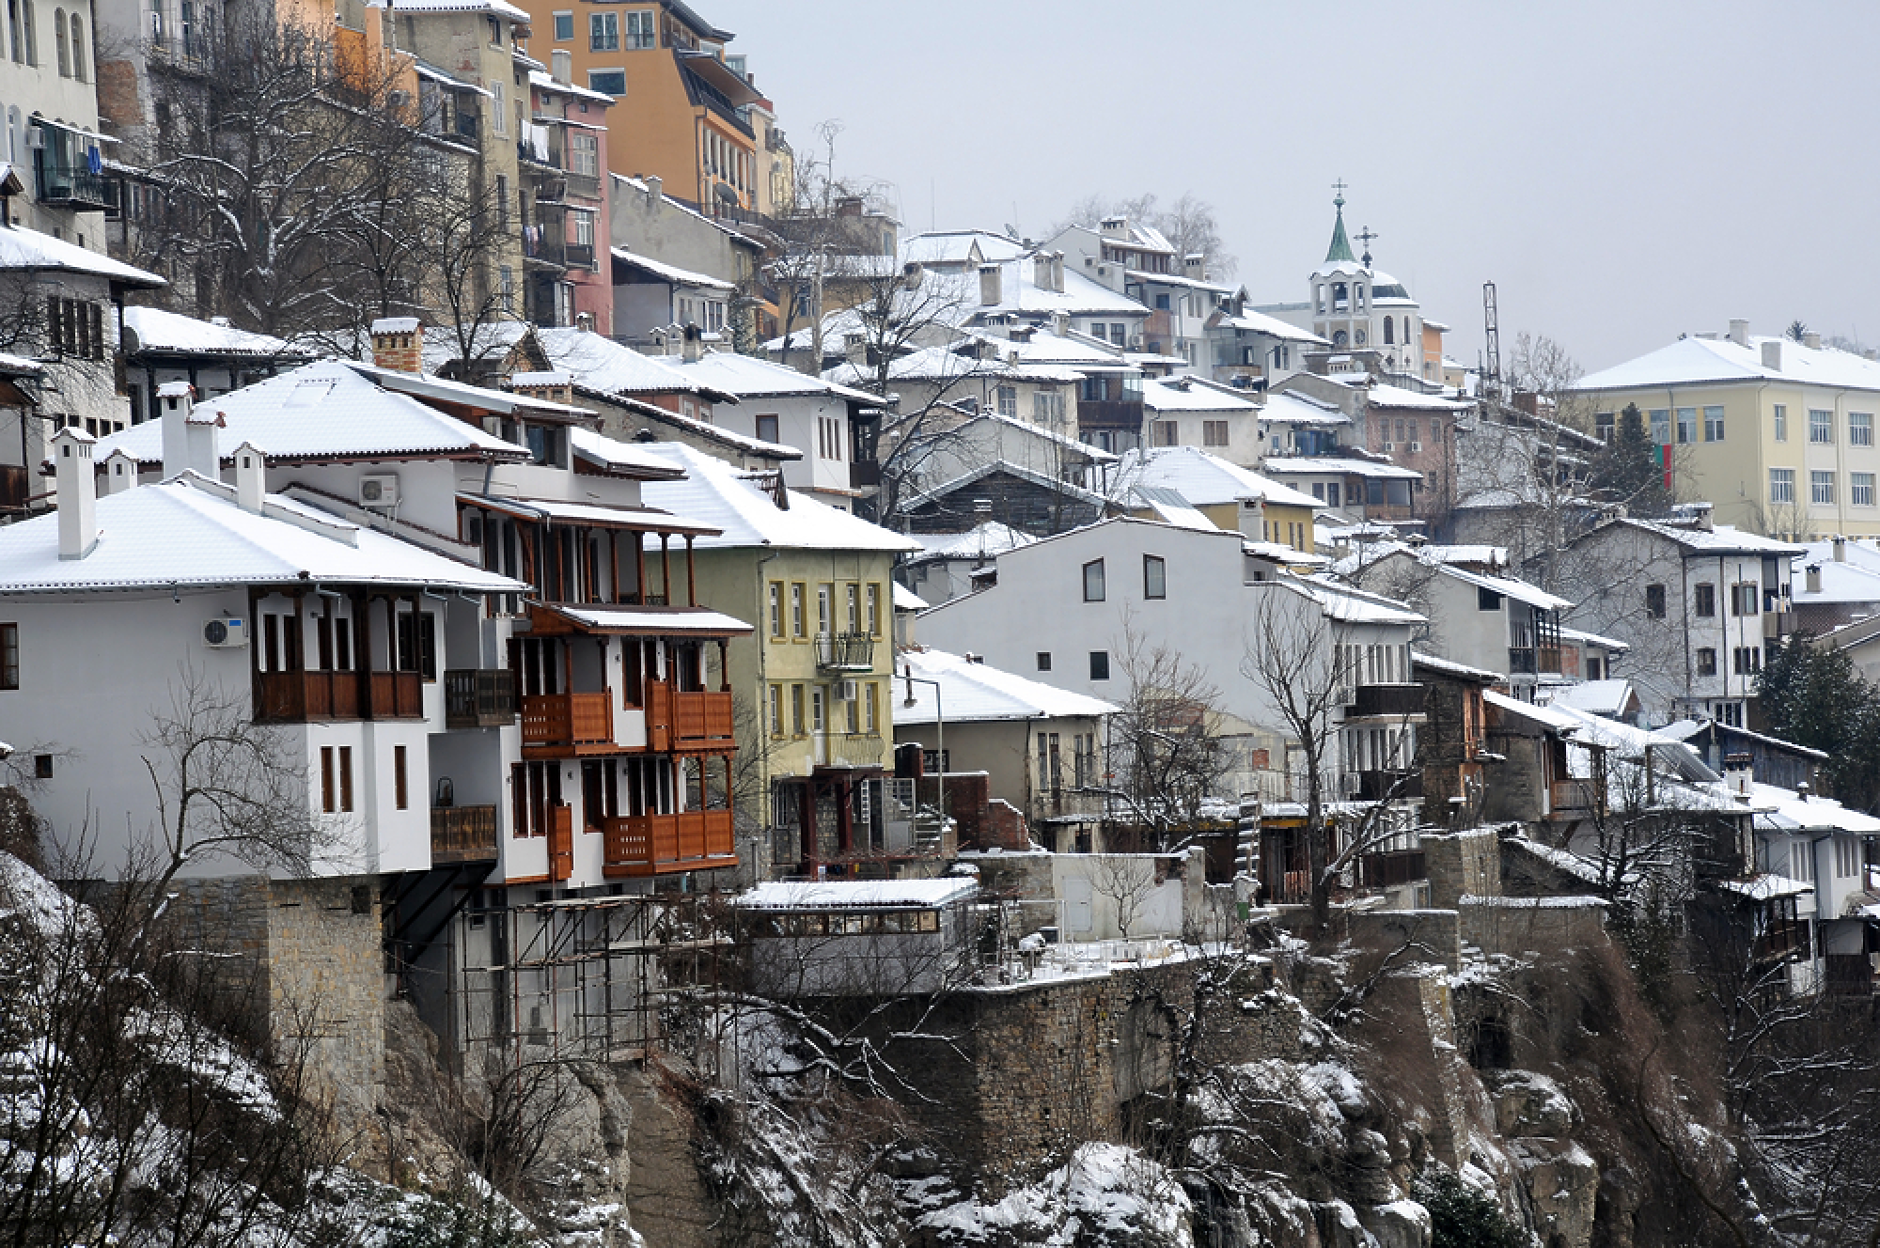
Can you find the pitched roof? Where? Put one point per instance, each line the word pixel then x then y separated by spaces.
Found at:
pixel 170 333
pixel 1179 394
pixel 1720 539
pixel 853 894
pixel 1249 321
pixel 670 272
pixel 189 531
pixel 330 409
pixel 1321 465
pixel 982 541
pixel 972 692
pixel 715 493
pixel 21 248
pixel 749 377
pixel 630 459
pixel 1205 479
pixel 1006 466
pixel 1697 359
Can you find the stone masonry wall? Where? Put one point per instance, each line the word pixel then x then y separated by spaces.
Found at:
pixel 1529 925
pixel 1462 863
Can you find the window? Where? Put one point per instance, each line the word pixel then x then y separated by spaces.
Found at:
pixel 1821 488
pixel 1093 581
pixel 1099 665
pixel 1847 857
pixel 640 32
pixel 1820 425
pixel 401 779
pixel 776 710
pixel 1118 330
pixel 1782 485
pixel 584 157
pixel 852 607
pixel 766 428
pixel 829 437
pixel 1096 329
pixel 1044 659
pixel 798 623
pixel 1167 433
pixel 1604 426
pixel 1706 662
pixel 1713 424
pixel 776 609
pixel 1214 433
pixel 9 656
pixel 1706 598
pixel 329 793
pixel 816 705
pixel 79 59
pixel 496 31
pixel 58 39
pixel 1860 489
pixel 1746 660
pixel 796 710
pixel 604 32
pixel 1487 599
pixel 874 610
pixel 499 122
pixel 1154 577
pixel 1007 399
pixel 564 27
pixel 871 709
pixel 608 81
pixel 1860 428
pixel 1687 425
pixel 853 712
pixel 1655 601
pixel 1661 426
pixel 825 608
pixel 1782 422
pixel 1746 598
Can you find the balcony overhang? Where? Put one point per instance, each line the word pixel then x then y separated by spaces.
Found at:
pixel 635 621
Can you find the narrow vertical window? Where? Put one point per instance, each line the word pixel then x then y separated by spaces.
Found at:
pixel 1154 577
pixel 400 778
pixel 1093 581
pixel 329 796
pixel 9 656
pixel 345 779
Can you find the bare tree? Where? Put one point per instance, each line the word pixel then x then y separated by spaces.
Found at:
pixel 1128 880
pixel 1166 742
pixel 1189 224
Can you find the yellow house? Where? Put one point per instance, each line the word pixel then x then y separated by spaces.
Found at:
pixel 682 110
pixel 811 686
pixel 1778 435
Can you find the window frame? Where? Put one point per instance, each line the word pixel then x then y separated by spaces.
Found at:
pixel 9 655
pixel 1820 426
pixel 1154 578
pixel 1655 602
pixel 1820 487
pixel 1099 583
pixel 1781 486
pixel 1099 665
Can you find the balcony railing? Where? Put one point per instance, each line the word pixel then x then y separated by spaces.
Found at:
pixel 578 255
pixel 574 721
pixel 1370 700
pixel 845 652
pixel 693 840
pixel 70 186
pixel 1394 868
pixel 463 834
pixel 678 720
pixel 475 698
pixel 1565 795
pixel 1527 661
pixel 297 697
pixel 1380 786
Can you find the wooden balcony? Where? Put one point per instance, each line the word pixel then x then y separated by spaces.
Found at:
pixel 463 834
pixel 687 722
pixel 568 723
pixel 300 697
pixel 1564 796
pixel 475 698
pixel 1392 868
pixel 694 840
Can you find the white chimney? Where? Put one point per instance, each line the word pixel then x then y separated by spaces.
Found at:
pixel 78 492
pixel 1041 270
pixel 1840 549
pixel 655 186
pixel 1812 582
pixel 120 472
pixel 1812 340
pixel 1057 271
pixel 1772 355
pixel 690 349
pixel 561 65
pixel 175 401
pixel 250 477
pixel 989 285
pixel 1739 333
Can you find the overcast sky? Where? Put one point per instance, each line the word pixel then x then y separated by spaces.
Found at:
pixel 1623 171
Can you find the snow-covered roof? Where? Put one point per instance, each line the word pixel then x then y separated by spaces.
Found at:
pixel 716 493
pixel 545 81
pixel 1249 321
pixel 629 459
pixel 654 621
pixel 856 894
pixel 1593 639
pixel 1785 810
pixel 1072 449
pixel 1168 507
pixel 946 366
pixel 330 409
pixel 171 333
pixel 1451 667
pixel 598 515
pixel 1766 887
pixel 502 8
pixel 1177 279
pixel 1382 395
pixel 1204 479
pixel 749 377
pixel 1694 359
pixel 1558 721
pixel 1351 606
pixel 1178 394
pixel 1338 465
pixel 1855 578
pixel 21 248
pixel 1295 408
pixel 189 531
pixel 906 599
pixel 1720 539
pixel 983 541
pixel 1595 697
pixel 1506 586
pixel 1279 552
pixel 1021 471
pixel 670 272
pixel 955 247
pixel 973 692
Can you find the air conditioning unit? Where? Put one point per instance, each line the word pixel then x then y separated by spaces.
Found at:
pixel 848 690
pixel 1415 447
pixel 1388 448
pixel 378 489
pixel 225 633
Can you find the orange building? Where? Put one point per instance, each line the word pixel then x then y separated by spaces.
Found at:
pixel 681 112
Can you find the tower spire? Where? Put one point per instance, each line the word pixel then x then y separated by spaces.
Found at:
pixel 1341 246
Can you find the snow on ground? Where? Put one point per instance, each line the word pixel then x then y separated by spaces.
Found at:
pixel 1107 1194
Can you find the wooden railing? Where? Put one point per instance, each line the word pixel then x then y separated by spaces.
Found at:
pixel 1571 795
pixel 478 698
pixel 658 844
pixel 570 719
pixel 296 697
pixel 676 720
pixel 463 834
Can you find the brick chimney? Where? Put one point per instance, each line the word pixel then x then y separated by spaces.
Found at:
pixel 78 492
pixel 549 387
pixel 398 344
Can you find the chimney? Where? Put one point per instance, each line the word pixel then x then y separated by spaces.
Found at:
pixel 1061 324
pixel 989 285
pixel 1739 773
pixel 1195 265
pixel 1041 270
pixel 1812 340
pixel 398 344
pixel 1253 519
pixel 550 387
pixel 1772 355
pixel 584 321
pixel 561 66
pixel 251 477
pixel 655 186
pixel 188 436
pixel 1840 549
pixel 1114 227
pixel 120 472
pixel 690 349
pixel 1057 271
pixel 1813 581
pixel 1739 333
pixel 78 492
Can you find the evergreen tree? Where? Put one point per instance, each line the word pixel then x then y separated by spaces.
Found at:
pixel 1628 470
pixel 1816 698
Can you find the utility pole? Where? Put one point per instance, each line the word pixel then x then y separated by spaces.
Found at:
pixel 1491 372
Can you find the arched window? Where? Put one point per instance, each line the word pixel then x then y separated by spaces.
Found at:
pixel 78 49
pixel 58 41
pixel 1388 338
pixel 32 32
pixel 1340 296
pixel 16 138
pixel 1360 337
pixel 1340 339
